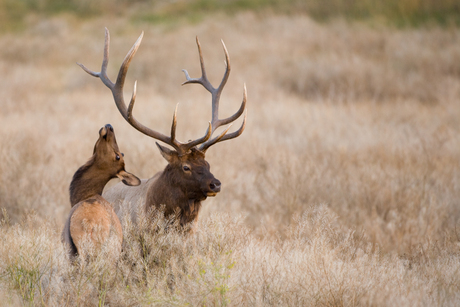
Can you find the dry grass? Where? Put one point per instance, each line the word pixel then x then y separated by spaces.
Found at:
pixel 343 190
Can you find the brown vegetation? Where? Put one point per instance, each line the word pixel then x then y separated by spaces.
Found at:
pixel 343 190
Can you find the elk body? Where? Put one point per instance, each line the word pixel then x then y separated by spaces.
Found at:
pixel 92 218
pixel 186 181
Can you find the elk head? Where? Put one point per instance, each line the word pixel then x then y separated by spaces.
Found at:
pixel 106 163
pixel 191 172
pixel 108 157
pixel 186 163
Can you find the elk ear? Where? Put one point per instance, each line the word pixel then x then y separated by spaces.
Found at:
pixel 128 178
pixel 166 152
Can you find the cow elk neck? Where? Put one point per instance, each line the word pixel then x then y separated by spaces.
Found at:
pixel 106 163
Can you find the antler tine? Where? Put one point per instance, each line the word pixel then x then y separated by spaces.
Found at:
pixel 200 140
pixel 183 148
pixel 174 124
pixel 238 113
pixel 227 69
pixel 224 136
pixel 203 80
pixel 116 88
pixel 103 73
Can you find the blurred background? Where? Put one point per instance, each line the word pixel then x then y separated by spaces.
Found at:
pixel 399 13
pixel 352 104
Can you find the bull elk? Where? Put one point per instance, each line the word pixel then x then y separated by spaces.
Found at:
pixel 92 218
pixel 186 181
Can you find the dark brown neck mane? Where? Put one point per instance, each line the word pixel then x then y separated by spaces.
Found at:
pixel 86 182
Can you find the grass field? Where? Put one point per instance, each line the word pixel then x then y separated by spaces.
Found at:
pixel 343 190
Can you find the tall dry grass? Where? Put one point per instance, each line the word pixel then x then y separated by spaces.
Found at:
pixel 343 189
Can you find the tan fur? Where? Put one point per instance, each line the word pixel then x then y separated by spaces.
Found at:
pixel 95 221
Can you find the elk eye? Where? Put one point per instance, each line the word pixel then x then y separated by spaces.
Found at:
pixel 117 157
pixel 122 154
pixel 186 168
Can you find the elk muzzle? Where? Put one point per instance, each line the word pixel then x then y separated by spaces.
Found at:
pixel 214 188
pixel 106 130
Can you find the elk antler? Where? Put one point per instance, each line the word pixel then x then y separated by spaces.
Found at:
pixel 127 113
pixel 215 92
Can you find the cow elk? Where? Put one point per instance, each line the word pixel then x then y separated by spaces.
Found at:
pixel 92 219
pixel 186 181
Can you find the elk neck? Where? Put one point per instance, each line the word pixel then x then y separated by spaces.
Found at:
pixel 87 181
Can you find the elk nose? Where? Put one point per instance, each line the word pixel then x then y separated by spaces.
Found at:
pixel 109 127
pixel 215 185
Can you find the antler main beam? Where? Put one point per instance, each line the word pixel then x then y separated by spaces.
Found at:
pixel 215 93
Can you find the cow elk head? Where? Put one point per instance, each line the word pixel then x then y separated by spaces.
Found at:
pixel 106 163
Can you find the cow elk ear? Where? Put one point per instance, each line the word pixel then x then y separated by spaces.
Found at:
pixel 166 153
pixel 128 178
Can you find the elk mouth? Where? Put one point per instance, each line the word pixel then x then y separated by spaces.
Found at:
pixel 214 188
